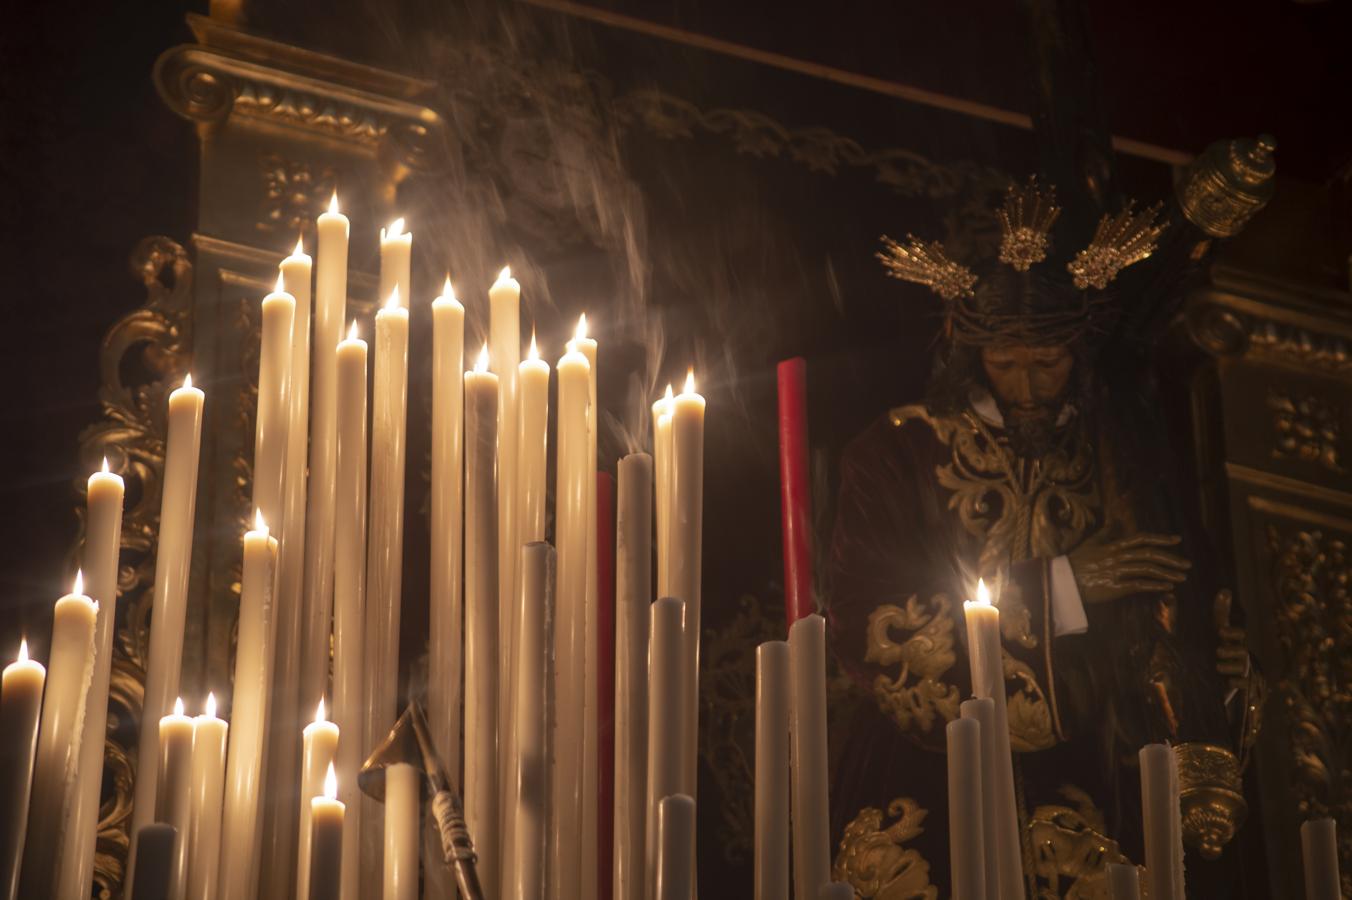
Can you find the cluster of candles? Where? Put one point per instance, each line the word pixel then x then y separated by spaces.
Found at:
pixel 572 695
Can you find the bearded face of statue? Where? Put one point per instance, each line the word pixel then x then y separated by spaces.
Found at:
pixel 1030 385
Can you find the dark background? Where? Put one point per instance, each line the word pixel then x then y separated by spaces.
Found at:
pixel 92 161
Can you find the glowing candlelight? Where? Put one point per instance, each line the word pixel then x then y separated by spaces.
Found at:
pixel 173 795
pixel 20 710
pixel 326 842
pixel 319 748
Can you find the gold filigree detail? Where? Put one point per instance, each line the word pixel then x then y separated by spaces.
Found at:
pixel 294 194
pixel 875 860
pixel 918 697
pixel 1211 796
pixel 1071 851
pixel 1306 428
pixel 1026 221
pixel 1119 241
pixel 927 263
pixel 143 357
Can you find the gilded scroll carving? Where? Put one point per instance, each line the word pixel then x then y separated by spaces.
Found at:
pixel 1307 428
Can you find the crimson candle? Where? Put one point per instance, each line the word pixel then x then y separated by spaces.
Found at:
pixel 795 496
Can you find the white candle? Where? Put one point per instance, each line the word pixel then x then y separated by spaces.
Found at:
pixel 292 618
pixel 504 347
pixel 982 711
pixel 326 842
pixel 330 307
pixel 676 848
pixel 633 593
pixel 240 825
pixel 988 680
pixel 1319 853
pixel 20 710
pixel 807 705
pixel 209 735
pixel 385 547
pixel 272 415
pixel 319 744
pixel 396 259
pixel 445 650
pixel 582 343
pixel 772 770
pixel 173 795
pixel 570 517
pixel 103 542
pixel 349 591
pixel 530 773
pixel 665 703
pixel 687 537
pixel 482 644
pixel 402 792
pixel 71 662
pixel 169 604
pixel 1124 882
pixel 966 840
pixel 1161 820
pixel 662 466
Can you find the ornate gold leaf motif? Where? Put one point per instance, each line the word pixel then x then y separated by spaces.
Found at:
pixel 1071 852
pixel 875 861
pixel 918 696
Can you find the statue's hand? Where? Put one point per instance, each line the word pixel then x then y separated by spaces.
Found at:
pixel 1108 569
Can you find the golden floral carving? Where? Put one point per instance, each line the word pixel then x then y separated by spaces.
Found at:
pixel 1071 851
pixel 918 696
pixel 875 860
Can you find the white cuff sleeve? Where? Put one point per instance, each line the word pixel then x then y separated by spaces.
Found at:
pixel 1067 608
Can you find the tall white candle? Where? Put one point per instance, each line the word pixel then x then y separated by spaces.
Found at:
pixel 687 537
pixel 966 839
pixel 633 593
pixel 662 468
pixel 20 710
pixel 326 842
pixel 772 770
pixel 589 785
pixel 169 604
pixel 570 518
pixel 71 662
pixel 173 795
pixel 807 705
pixel 402 792
pixel 504 348
pixel 385 548
pixel 319 745
pixel 396 260
pixel 1161 820
pixel 1124 882
pixel 273 415
pixel 665 703
pixel 482 639
pixel 330 308
pixel 530 772
pixel 209 737
pixel 676 848
pixel 349 591
pixel 445 602
pixel 988 680
pixel 103 541
pixel 1319 853
pixel 240 831
pixel 982 711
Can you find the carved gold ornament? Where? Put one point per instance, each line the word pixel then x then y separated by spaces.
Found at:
pixel 1211 796
pixel 1026 221
pixel 1071 851
pixel 918 638
pixel 1119 241
pixel 875 860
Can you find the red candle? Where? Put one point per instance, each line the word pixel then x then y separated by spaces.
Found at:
pixel 605 681
pixel 795 497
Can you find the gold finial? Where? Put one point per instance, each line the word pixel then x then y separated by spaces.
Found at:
pixel 927 264
pixel 1029 212
pixel 1119 241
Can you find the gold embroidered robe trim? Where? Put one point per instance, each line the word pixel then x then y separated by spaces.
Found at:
pixel 1071 851
pixel 875 860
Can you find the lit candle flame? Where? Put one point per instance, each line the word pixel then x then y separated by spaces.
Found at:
pixel 505 273
pixel 211 696
pixel 481 364
pixel 668 396
pixel 23 649
pixel 333 204
pixel 447 290
pixel 395 230
pixel 331 784
pixel 280 287
pixel 104 469
pixel 352 331
pixel 580 333
pixel 534 350
pixel 300 246
pixel 689 381
pixel 259 524
pixel 178 707
pixel 78 589
pixel 393 302
pixel 187 381
pixel 983 593
pixel 319 711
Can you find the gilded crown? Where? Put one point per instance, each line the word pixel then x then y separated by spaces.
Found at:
pixel 1027 218
pixel 927 263
pixel 1119 241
